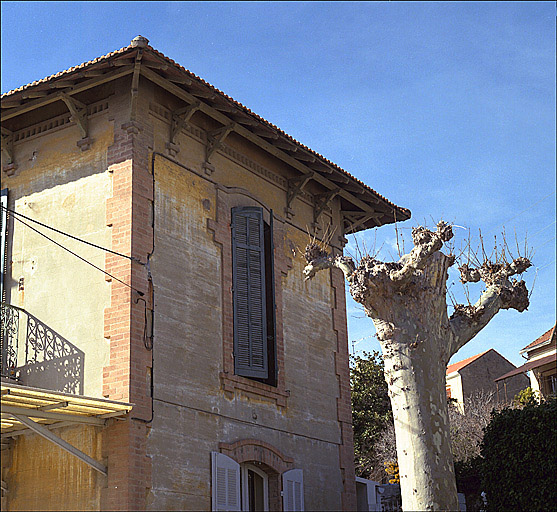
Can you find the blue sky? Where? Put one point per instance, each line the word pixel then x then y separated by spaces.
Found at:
pixel 446 108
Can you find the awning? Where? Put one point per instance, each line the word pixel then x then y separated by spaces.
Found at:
pixel 42 410
pixel 528 366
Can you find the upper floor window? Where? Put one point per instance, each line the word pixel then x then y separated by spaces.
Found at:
pixel 253 295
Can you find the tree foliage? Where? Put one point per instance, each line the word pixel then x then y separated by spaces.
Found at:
pixel 520 459
pixel 527 396
pixel 371 412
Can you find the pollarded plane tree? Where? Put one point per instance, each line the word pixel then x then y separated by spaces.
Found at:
pixel 407 301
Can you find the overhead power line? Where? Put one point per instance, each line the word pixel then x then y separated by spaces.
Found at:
pixel 17 214
pixel 530 207
pixel 80 257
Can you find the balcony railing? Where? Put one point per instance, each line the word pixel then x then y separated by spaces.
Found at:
pixel 36 355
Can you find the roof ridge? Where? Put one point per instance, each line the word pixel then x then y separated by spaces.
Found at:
pixel 466 361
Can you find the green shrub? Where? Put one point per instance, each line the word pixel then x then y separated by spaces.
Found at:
pixel 527 396
pixel 519 465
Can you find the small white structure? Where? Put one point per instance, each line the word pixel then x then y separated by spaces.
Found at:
pixel 376 497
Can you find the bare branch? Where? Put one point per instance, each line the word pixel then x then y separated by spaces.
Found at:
pixel 426 243
pixel 317 259
pixel 467 321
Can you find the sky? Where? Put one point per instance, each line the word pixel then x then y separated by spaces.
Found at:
pixel 445 108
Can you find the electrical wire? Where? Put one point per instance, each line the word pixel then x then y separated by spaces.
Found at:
pixel 529 208
pixel 72 236
pixel 80 257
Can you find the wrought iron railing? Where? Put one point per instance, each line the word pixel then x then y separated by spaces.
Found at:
pixel 35 354
pixel 9 337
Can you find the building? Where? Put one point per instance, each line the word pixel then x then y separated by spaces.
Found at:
pixel 478 373
pixel 541 364
pixel 191 368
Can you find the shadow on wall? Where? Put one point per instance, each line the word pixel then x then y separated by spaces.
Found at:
pixel 51 361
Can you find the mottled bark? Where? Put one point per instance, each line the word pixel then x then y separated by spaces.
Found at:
pixel 407 303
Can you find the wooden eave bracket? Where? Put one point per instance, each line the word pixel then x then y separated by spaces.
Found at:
pixel 78 111
pixel 295 187
pixel 216 138
pixel 178 120
pixel 135 85
pixel 8 144
pixel 357 219
pixel 322 201
pixel 58 441
pixel 280 147
pixel 8 149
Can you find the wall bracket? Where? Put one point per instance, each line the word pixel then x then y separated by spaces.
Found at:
pixel 178 120
pixel 78 111
pixel 216 138
pixel 295 187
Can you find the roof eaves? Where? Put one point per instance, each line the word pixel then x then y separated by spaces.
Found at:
pixel 405 213
pixel 544 339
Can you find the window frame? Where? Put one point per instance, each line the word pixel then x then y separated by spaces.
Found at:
pixel 244 468
pixel 219 225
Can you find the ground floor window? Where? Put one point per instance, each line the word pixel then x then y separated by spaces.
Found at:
pixel 255 489
pixel 253 486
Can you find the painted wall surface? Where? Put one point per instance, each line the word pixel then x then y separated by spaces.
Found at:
pixel 59 185
pixel 454 381
pixel 543 372
pixel 192 413
pixel 45 477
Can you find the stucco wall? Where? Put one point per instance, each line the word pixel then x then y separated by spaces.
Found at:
pixel 58 184
pixel 455 383
pixel 192 413
pixel 42 476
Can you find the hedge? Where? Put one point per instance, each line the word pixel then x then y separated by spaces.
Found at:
pixel 519 465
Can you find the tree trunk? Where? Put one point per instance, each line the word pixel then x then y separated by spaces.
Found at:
pixel 416 379
pixel 407 302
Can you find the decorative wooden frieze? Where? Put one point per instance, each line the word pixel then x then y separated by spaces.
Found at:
pixel 55 123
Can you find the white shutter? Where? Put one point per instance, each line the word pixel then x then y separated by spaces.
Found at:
pixel 225 483
pixel 293 490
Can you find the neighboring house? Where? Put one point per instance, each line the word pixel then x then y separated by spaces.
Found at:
pixel 200 372
pixel 478 373
pixel 542 364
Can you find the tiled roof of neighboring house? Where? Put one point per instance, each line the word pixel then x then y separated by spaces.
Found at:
pixel 465 362
pixel 403 213
pixel 546 336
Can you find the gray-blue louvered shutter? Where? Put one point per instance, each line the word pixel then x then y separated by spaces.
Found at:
pixel 248 270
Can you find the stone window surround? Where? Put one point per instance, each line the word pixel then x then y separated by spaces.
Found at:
pixel 267 457
pixel 227 198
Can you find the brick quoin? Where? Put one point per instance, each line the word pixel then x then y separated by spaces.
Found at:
pixel 125 377
pixel 344 404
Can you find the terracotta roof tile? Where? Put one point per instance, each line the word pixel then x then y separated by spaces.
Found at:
pixel 65 72
pixel 465 362
pixel 544 337
pixel 404 211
